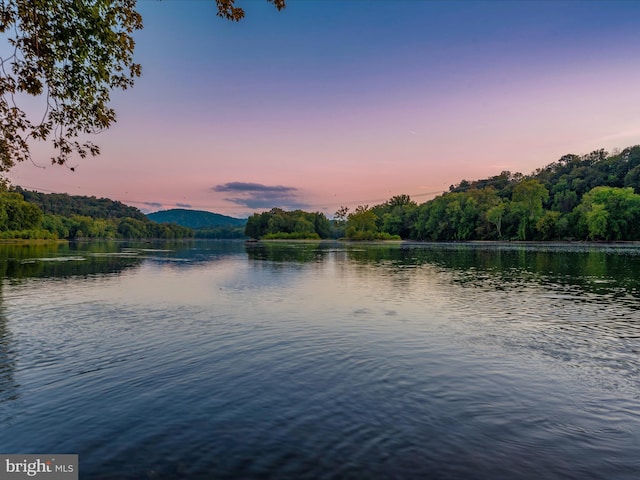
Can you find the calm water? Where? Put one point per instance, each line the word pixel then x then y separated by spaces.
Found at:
pixel 220 360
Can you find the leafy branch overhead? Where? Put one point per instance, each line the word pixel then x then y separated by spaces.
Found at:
pixel 70 54
pixel 228 10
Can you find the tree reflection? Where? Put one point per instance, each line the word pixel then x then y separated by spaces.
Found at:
pixel 21 261
pixel 8 385
pixel 296 252
pixel 596 269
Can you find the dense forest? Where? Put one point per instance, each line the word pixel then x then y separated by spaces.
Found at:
pixel 579 197
pixel 298 224
pixel 69 205
pixel 33 215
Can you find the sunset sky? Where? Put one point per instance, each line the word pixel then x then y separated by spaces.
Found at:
pixel 347 102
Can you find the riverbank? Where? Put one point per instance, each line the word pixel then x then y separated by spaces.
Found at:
pixel 31 241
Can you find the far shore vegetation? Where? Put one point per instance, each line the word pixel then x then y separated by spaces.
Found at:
pixel 580 197
pixel 26 215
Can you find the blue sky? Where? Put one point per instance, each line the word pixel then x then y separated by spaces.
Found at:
pixel 347 102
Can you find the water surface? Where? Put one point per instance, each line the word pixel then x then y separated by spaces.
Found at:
pixel 220 360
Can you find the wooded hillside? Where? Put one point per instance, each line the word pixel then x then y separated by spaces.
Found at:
pixel 69 205
pixel 579 197
pixel 33 215
pixel 195 218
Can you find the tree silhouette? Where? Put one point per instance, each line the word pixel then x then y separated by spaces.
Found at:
pixel 71 55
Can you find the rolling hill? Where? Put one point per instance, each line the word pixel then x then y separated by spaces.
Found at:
pixel 195 218
pixel 69 205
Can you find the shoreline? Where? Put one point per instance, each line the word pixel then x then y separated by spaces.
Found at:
pixel 453 242
pixel 31 241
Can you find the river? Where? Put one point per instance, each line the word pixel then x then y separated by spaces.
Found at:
pixel 220 360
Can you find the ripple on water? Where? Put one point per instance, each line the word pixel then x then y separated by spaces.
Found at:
pixel 343 369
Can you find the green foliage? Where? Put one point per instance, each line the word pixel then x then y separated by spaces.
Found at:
pixel 611 213
pixel 597 220
pixel 297 224
pixel 292 236
pixel 73 217
pixel 132 228
pixel 495 214
pixel 16 214
pixel 547 205
pixel 547 225
pixel 339 222
pixel 500 182
pixel 69 205
pixel 257 225
pixel 368 235
pixel 362 224
pixel 222 232
pixel 564 201
pixel 460 216
pixel 322 225
pixel 56 225
pixel 30 234
pixel 526 203
pixel 577 197
pixel 396 215
pixel 632 178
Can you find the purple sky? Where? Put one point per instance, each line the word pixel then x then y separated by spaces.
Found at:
pixel 339 102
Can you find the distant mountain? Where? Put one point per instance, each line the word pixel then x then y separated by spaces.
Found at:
pixel 195 218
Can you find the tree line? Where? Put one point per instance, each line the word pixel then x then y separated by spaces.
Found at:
pixel 60 216
pixel 280 224
pixel 579 197
pixel 68 205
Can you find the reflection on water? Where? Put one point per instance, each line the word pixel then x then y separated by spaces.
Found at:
pixel 324 360
pixel 8 386
pixel 59 260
